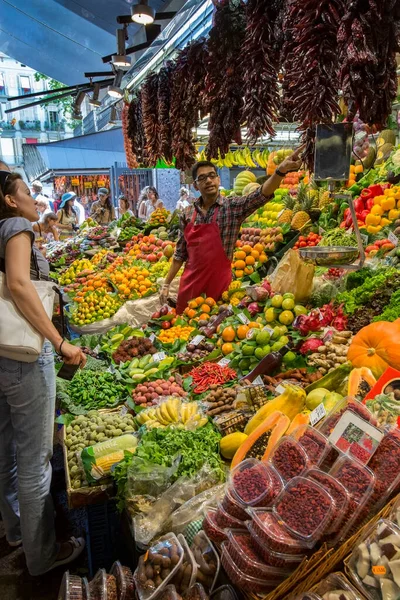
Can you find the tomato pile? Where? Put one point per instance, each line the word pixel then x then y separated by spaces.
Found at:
pixel 312 239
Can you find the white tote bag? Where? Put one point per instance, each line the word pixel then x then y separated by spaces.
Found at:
pixel 18 339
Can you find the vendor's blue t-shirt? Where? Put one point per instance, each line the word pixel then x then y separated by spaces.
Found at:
pixel 11 227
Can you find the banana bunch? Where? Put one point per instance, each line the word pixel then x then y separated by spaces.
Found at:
pixel 172 412
pixel 239 158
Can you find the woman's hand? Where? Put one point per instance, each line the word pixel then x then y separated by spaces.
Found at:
pixel 72 355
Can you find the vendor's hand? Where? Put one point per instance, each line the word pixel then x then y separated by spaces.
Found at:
pixel 164 293
pixel 292 162
pixel 73 355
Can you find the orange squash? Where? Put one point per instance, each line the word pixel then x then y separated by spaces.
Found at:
pixel 377 347
pixel 360 382
pixel 262 440
pixel 300 419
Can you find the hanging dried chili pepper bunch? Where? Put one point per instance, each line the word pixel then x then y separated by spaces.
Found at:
pixel 260 58
pixel 311 64
pixel 165 75
pixel 149 94
pixel 135 130
pixel 131 159
pixel 186 101
pixel 224 81
pixel 368 41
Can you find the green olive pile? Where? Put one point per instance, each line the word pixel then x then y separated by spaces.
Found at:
pixel 87 430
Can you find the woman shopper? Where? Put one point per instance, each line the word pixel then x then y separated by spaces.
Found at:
pixel 153 202
pixel 124 206
pixel 67 216
pixel 46 228
pixel 102 210
pixel 27 395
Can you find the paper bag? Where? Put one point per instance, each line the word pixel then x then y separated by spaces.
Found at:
pixel 293 275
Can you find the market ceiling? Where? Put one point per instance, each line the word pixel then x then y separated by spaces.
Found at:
pixel 66 38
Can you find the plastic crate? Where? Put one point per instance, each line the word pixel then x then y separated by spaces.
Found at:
pixel 103 525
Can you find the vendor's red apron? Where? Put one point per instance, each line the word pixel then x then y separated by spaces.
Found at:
pixel 208 269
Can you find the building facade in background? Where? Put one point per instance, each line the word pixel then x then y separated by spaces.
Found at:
pixel 30 125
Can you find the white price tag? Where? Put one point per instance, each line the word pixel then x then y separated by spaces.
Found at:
pixel 349 230
pixel 123 411
pixel 242 317
pixel 197 339
pixel 321 231
pixel 269 329
pixel 152 337
pixel 364 238
pixel 224 362
pixel 317 414
pixel 158 356
pixel 393 238
pixel 97 349
pixel 258 380
pixel 280 389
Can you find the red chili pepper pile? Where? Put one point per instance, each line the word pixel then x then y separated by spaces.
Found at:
pixel 208 374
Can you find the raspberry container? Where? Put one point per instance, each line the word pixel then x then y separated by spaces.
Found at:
pixel 214 531
pixel 250 483
pixel 270 557
pixel 273 534
pixel 241 550
pixel 289 458
pixel 245 582
pixel 305 509
pixel 71 587
pixel 224 519
pixel 339 494
pixel 233 507
pixel 125 582
pixel 334 585
pixel 359 481
pixel 373 564
pixel 385 464
pixel 98 586
pixel 111 586
pixel 314 443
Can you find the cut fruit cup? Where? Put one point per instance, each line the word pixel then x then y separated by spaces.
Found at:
pixel 273 534
pixel 215 532
pixel 337 583
pixel 71 587
pixel 233 507
pixel 269 556
pixel 224 519
pixel 374 565
pixel 289 458
pixel 240 549
pixel 314 443
pixel 340 495
pixel 250 483
pixel 125 581
pixel 305 509
pixel 243 581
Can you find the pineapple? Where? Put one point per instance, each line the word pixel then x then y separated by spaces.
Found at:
pixel 324 199
pixel 301 195
pixel 287 214
pixel 303 215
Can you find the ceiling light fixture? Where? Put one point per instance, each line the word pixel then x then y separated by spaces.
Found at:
pixel 77 105
pixel 115 90
pixel 143 13
pixel 94 100
pixel 113 116
pixel 120 59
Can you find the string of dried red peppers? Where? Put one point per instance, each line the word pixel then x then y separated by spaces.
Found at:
pixel 149 93
pixel 260 56
pixel 311 64
pixel 135 130
pixel 368 42
pixel 224 81
pixel 164 101
pixel 131 160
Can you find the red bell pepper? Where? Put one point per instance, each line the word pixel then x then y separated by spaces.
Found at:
pixel 366 194
pixel 369 204
pixel 359 205
pixel 342 225
pixel 376 190
pixel 364 215
pixel 346 212
pixel 380 243
pixel 368 249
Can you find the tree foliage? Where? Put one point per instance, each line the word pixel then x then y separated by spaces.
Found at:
pixel 66 103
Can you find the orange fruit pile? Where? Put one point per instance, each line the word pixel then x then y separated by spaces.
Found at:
pixel 168 336
pixel 200 308
pixel 245 258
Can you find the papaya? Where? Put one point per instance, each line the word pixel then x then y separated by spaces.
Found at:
pixel 260 443
pixel 290 403
pixel 302 418
pixel 230 443
pixel 361 381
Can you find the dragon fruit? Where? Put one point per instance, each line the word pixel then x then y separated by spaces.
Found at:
pixel 311 345
pixel 253 308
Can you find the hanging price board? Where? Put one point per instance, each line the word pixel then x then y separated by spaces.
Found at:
pixel 74 181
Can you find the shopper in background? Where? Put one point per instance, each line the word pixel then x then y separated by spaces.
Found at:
pixel 102 210
pixel 209 230
pixel 27 395
pixel 37 188
pixel 80 210
pixel 142 204
pixel 42 206
pixel 86 206
pixel 183 201
pixel 46 228
pixel 67 216
pixel 124 206
pixel 153 201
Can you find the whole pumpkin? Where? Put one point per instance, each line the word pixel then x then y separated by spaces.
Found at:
pixel 377 347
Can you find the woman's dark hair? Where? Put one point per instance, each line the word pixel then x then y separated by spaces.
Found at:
pixel 49 217
pixel 125 201
pixel 8 186
pixel 68 209
pixel 151 188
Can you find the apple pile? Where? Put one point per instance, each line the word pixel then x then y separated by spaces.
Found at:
pixel 250 235
pixel 149 247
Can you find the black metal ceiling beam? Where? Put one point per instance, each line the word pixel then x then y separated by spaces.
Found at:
pixel 100 74
pixel 152 31
pixel 78 86
pixel 159 16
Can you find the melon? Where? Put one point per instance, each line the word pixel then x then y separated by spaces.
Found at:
pixel 250 188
